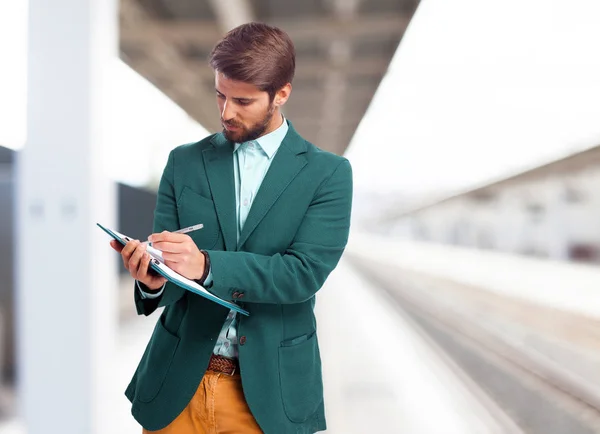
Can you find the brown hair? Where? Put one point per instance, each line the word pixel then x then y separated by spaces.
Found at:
pixel 256 53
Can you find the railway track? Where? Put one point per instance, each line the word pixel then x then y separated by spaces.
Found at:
pixel 526 391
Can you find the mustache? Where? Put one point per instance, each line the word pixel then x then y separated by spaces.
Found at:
pixel 231 124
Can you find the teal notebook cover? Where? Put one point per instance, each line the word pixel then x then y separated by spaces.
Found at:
pixel 174 277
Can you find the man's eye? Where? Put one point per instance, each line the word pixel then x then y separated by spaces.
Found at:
pixel 244 102
pixel 220 96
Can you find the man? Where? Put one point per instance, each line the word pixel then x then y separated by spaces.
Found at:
pixel 276 216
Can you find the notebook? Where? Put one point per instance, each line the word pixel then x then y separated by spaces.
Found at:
pixel 158 265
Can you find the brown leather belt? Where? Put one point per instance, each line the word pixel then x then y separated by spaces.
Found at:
pixel 223 364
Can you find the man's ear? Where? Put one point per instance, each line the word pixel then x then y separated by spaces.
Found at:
pixel 282 95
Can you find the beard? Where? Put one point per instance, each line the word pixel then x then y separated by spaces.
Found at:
pixel 253 132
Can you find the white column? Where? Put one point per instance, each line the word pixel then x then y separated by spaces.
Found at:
pixel 66 272
pixel 557 227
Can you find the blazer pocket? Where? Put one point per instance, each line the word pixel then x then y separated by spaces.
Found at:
pixel 192 209
pixel 300 377
pixel 156 363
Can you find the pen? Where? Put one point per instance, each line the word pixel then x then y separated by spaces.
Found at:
pixel 179 231
pixel 185 230
pixel 190 229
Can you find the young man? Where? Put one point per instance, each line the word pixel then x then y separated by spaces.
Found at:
pixel 276 215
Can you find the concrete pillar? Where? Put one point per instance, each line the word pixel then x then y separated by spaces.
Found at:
pixel 66 272
pixel 557 227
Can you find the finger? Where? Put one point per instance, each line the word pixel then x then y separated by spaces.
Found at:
pixel 167 246
pixel 146 274
pixel 116 245
pixel 173 257
pixel 175 266
pixel 126 252
pixel 142 272
pixel 129 248
pixel 134 260
pixel 168 236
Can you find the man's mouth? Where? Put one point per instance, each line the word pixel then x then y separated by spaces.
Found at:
pixel 231 127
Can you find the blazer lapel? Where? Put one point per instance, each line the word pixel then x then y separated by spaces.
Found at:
pixel 218 164
pixel 287 163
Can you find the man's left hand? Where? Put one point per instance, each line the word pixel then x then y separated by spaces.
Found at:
pixel 180 253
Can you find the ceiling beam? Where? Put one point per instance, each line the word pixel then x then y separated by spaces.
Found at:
pixel 352 98
pixel 335 80
pixel 232 13
pixel 351 118
pixel 170 53
pixel 146 31
pixel 305 69
pixel 354 67
pixel 178 80
pixel 355 27
pixel 207 33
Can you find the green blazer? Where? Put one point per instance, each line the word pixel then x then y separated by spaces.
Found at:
pixel 293 238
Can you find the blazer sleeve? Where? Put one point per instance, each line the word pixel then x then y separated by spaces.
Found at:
pixel 298 273
pixel 165 219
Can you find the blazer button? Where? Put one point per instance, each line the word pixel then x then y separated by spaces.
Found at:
pixel 235 294
pixel 242 340
pixel 240 295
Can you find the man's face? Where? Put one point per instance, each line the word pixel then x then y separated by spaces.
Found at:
pixel 246 112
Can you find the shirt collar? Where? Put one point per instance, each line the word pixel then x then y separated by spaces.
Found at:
pixel 269 143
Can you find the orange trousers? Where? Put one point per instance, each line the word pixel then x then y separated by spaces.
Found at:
pixel 217 407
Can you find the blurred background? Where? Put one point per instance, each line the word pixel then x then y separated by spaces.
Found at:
pixel 472 274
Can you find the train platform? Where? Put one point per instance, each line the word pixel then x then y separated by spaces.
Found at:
pixel 380 373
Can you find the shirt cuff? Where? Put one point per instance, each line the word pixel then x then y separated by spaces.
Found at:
pixel 208 282
pixel 145 294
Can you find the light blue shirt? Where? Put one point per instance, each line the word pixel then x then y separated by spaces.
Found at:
pixel 251 161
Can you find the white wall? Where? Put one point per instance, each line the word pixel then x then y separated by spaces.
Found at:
pixel 481 89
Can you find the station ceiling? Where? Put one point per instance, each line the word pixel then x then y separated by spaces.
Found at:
pixel 343 50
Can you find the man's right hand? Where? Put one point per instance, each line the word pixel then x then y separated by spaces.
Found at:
pixel 136 260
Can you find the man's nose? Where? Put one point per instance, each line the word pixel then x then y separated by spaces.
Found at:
pixel 228 111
